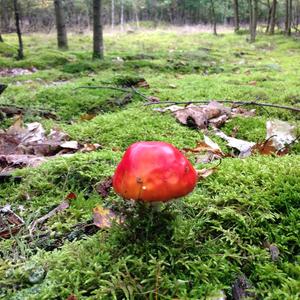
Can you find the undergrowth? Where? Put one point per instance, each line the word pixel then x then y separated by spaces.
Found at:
pixel 192 248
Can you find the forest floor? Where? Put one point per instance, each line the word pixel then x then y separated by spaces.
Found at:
pixel 242 220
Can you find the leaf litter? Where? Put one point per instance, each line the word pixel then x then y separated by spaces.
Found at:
pixel 29 145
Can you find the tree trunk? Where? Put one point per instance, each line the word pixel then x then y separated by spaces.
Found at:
pixel 122 15
pixel 253 19
pixel 213 17
pixel 236 15
pixel 288 17
pixel 18 28
pixel 269 16
pixel 273 17
pixel 62 41
pixel 98 30
pixel 112 14
pixel 1 39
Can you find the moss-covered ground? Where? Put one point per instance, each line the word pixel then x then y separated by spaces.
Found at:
pixel 197 246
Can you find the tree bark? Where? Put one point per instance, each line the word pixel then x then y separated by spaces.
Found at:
pixel 269 16
pixel 288 17
pixel 253 19
pixel 273 17
pixel 18 28
pixel 98 30
pixel 112 14
pixel 213 17
pixel 122 15
pixel 236 15
pixel 62 41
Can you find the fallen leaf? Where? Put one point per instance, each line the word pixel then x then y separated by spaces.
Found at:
pixel 267 148
pixel 104 187
pixel 153 99
pixel 242 288
pixel 142 84
pixel 244 147
pixel 103 218
pixel 212 150
pixel 87 117
pixel 280 133
pixel 253 83
pixel 204 173
pixel 90 147
pixel 10 223
pixel 74 145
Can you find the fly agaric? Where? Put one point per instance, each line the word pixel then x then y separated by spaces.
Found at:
pixel 154 172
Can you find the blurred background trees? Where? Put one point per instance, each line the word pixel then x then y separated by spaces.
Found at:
pixel 38 15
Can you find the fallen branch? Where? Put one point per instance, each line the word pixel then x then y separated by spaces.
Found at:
pixel 131 89
pixel 296 109
pixel 104 88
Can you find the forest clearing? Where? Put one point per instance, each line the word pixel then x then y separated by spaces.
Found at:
pixel 231 108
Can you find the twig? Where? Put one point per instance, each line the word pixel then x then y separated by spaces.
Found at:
pixel 296 109
pixel 132 88
pixel 103 88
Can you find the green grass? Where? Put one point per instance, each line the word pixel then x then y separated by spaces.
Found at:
pixel 195 247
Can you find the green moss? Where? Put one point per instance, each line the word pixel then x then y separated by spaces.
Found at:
pixel 194 247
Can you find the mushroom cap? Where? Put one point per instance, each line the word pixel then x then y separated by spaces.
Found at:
pixel 154 171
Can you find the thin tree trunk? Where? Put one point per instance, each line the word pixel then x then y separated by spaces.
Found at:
pixel 213 17
pixel 62 41
pixel 288 17
pixel 112 14
pixel 98 30
pixel 18 28
pixel 236 15
pixel 269 16
pixel 273 17
pixel 253 18
pixel 122 15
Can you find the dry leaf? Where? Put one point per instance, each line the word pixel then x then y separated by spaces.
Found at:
pixel 10 223
pixel 253 83
pixel 142 84
pixel 244 147
pixel 87 117
pixel 280 133
pixel 90 147
pixel 103 218
pixel 104 187
pixel 204 173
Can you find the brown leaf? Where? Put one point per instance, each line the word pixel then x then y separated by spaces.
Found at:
pixel 103 218
pixel 104 187
pixel 153 99
pixel 242 112
pixel 241 288
pixel 72 297
pixel 199 116
pixel 244 147
pixel 204 173
pixel 90 147
pixel 10 223
pixel 87 117
pixel 142 84
pixel 253 83
pixel 267 148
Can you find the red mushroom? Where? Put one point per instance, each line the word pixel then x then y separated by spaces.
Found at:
pixel 152 172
